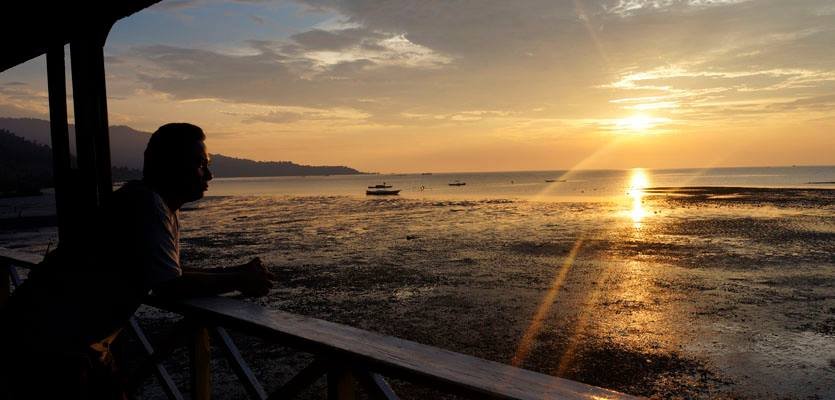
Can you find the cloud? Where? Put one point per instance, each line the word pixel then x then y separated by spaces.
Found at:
pixel 317 39
pixel 626 8
pixel 21 100
pixel 289 115
pixel 176 4
pixel 419 62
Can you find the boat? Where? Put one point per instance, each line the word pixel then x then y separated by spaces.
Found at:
pixel 457 183
pixel 382 190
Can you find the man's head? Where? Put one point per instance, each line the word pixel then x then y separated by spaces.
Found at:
pixel 176 162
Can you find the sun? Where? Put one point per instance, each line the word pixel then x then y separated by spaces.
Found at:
pixel 639 123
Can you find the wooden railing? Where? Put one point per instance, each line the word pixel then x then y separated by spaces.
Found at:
pixel 348 356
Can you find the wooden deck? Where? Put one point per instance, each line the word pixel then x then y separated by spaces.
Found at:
pixel 348 356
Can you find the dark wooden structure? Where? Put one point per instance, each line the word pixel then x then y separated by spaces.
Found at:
pixel 30 28
pixel 347 356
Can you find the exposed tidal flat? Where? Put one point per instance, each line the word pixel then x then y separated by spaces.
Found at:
pixel 697 293
pixel 675 293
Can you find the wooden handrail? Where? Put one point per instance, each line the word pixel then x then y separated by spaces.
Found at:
pixel 345 351
pixel 385 354
pixel 19 258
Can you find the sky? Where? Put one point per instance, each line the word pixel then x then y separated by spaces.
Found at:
pixel 488 85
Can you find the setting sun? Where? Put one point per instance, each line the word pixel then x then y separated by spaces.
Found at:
pixel 639 123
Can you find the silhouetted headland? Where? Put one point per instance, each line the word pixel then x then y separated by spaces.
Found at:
pixel 26 158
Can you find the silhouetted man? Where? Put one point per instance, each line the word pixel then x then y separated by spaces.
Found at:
pixel 60 322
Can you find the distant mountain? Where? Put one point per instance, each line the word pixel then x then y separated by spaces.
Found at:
pixel 26 166
pixel 223 166
pixel 127 145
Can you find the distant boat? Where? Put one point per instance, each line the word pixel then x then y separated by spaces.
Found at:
pixel 382 190
pixel 426 173
pixel 555 180
pixel 457 183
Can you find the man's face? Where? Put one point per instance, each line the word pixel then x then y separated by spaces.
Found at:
pixel 195 175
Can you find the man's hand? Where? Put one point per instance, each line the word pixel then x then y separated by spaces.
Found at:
pixel 254 280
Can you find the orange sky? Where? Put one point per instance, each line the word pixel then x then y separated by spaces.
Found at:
pixel 486 86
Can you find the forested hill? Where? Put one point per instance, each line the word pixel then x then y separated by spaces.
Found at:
pixel 223 166
pixel 25 166
pixel 127 146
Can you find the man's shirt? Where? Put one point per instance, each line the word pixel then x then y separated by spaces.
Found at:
pixel 83 294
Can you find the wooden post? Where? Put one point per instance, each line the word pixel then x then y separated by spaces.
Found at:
pixel 57 83
pixel 5 285
pixel 341 384
pixel 201 357
pixel 91 129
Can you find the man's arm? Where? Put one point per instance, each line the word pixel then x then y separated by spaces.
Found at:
pixel 251 279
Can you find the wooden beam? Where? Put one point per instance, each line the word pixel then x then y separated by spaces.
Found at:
pixel 302 380
pixel 168 385
pixel 376 386
pixel 19 258
pixel 341 384
pixel 32 26
pixel 201 358
pixel 59 132
pixel 239 365
pixel 91 126
pixel 5 283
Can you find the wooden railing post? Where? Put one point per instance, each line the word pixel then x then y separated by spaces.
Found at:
pixel 201 357
pixel 341 384
pixel 5 283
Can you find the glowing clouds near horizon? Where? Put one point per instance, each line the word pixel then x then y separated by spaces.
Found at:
pixel 639 123
pixel 638 182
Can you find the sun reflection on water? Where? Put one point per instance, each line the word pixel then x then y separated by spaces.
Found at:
pixel 638 182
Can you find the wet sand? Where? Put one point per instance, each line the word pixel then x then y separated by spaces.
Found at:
pixel 686 293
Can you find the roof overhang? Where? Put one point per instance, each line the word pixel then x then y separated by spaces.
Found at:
pixel 30 27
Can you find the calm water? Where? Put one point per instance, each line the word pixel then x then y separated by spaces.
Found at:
pixel 567 185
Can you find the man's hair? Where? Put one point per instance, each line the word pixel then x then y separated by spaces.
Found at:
pixel 168 148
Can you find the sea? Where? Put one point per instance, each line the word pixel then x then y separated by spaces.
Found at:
pixel 562 185
pixel 677 283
